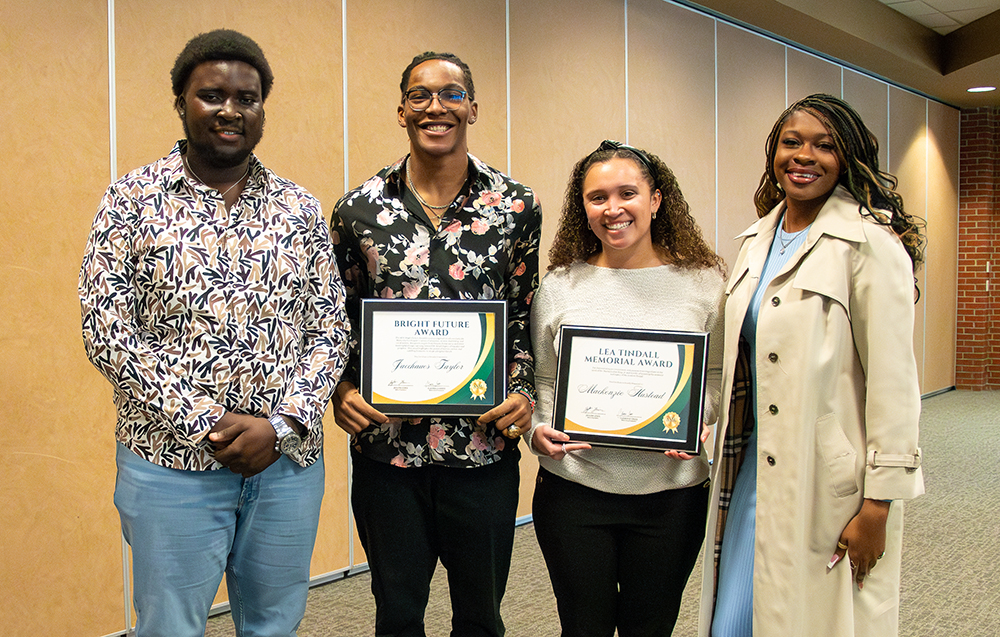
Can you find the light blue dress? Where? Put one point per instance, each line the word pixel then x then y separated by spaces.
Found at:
pixel 733 615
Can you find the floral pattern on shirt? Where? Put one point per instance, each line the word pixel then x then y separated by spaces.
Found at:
pixel 485 247
pixel 191 310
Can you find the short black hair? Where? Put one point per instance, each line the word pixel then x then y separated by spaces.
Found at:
pixel 221 44
pixel 447 57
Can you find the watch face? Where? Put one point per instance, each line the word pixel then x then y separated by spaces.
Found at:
pixel 290 444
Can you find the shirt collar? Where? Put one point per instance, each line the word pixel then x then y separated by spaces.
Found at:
pixel 477 170
pixel 174 176
pixel 839 217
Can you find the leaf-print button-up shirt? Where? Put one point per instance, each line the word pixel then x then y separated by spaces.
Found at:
pixel 486 247
pixel 192 310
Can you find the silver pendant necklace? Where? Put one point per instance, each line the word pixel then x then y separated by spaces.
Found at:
pixel 791 237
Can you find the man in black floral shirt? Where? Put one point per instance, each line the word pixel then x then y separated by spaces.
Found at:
pixel 438 224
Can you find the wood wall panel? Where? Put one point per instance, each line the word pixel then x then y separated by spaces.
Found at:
pixel 671 78
pixel 940 273
pixel 748 105
pixel 60 551
pixel 908 161
pixel 303 138
pixel 567 94
pixel 382 38
pixel 870 98
pixel 808 74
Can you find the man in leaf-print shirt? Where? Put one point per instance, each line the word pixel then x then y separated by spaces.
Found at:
pixel 212 303
pixel 438 224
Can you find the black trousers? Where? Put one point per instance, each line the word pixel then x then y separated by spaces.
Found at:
pixel 618 561
pixel 409 518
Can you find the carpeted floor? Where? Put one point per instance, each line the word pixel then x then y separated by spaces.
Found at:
pixel 951 549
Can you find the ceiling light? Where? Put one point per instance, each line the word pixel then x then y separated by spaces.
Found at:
pixel 982 89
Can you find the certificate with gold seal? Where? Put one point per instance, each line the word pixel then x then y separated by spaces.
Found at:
pixel 639 389
pixel 433 358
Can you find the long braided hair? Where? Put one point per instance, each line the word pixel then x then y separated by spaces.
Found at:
pixel 857 148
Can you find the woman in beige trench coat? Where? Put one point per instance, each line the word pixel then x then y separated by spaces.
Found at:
pixel 830 391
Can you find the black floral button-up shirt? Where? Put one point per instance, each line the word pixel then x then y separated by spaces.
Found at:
pixel 486 247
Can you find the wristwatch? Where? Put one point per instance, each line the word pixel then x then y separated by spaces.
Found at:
pixel 288 441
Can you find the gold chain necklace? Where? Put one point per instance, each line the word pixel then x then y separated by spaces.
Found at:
pixel 413 189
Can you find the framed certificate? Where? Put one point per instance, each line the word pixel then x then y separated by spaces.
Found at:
pixel 640 389
pixel 433 358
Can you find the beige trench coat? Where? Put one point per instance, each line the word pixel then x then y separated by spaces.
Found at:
pixel 838 405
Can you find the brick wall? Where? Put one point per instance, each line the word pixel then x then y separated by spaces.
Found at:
pixel 978 355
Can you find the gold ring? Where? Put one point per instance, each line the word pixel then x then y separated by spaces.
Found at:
pixel 841 545
pixel 512 432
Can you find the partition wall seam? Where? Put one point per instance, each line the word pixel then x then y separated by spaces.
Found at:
pixel 715 129
pixel 888 127
pixel 625 7
pixel 343 73
pixel 785 51
pixel 510 167
pixel 113 168
pixel 927 168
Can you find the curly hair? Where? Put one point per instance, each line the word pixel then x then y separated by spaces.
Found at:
pixel 221 44
pixel 857 150
pixel 447 57
pixel 674 231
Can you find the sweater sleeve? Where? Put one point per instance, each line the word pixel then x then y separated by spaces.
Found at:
pixel 543 335
pixel 715 327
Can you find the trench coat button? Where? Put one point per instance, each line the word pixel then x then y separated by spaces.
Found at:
pixel 775 301
pixel 773 409
pixel 772 357
pixel 770 460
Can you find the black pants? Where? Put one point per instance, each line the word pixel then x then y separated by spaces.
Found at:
pixel 618 560
pixel 409 518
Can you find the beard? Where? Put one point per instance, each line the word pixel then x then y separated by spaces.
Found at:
pixel 220 158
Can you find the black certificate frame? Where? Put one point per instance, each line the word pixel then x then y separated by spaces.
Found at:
pixel 686 398
pixel 458 402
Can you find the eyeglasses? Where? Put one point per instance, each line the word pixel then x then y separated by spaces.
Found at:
pixel 610 144
pixel 419 99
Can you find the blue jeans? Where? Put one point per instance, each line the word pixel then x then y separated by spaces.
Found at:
pixel 188 527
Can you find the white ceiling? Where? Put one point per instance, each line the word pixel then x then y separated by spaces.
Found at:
pixel 944 16
pixel 939 48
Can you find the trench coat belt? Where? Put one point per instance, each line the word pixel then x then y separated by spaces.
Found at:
pixel 907 461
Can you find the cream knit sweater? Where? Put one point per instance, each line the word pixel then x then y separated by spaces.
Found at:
pixel 664 298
